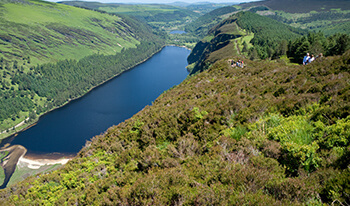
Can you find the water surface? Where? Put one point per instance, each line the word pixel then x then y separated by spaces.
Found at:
pixel 177 32
pixel 66 130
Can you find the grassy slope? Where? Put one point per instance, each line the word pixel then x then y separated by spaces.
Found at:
pixel 218 138
pixel 48 32
pixel 161 16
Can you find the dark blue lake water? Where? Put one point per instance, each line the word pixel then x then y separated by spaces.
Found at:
pixel 66 130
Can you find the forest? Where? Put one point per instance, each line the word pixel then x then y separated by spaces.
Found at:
pixel 69 79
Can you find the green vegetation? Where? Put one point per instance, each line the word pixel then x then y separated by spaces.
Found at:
pixel 317 44
pixel 243 34
pixel 328 16
pixel 203 24
pixel 267 134
pixel 272 133
pixel 50 59
pixel 162 17
pixel 36 32
pixel 246 34
pixel 302 6
pixel 22 172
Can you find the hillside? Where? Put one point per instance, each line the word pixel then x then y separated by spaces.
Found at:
pixel 328 16
pixel 271 133
pixel 34 32
pixel 302 6
pixel 161 16
pixel 53 53
pixel 204 23
pixel 240 32
pixel 267 134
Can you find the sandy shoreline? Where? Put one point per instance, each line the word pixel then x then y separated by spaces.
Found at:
pixel 37 163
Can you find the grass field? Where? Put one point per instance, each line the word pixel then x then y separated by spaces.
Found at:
pixel 56 32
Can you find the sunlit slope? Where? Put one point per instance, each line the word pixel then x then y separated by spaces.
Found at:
pixel 47 32
pixel 158 15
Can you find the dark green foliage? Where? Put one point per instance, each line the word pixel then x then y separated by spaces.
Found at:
pixel 268 33
pixel 12 104
pixel 317 43
pixel 70 79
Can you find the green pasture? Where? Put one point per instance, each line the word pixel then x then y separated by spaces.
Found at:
pixel 56 32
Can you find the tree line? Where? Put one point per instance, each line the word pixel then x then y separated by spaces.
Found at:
pixel 68 79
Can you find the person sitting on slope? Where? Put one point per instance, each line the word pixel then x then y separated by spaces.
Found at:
pixel 306 59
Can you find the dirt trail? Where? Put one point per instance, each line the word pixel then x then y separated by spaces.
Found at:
pixel 9 162
pixel 238 51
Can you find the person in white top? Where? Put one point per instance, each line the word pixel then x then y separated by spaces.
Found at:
pixel 311 59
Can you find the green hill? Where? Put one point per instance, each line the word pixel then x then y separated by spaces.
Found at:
pixel 328 16
pixel 302 6
pixel 204 23
pixel 52 53
pixel 48 32
pixel 160 16
pixel 239 33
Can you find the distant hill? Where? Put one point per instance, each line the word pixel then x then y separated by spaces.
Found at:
pixel 158 15
pixel 302 6
pixel 328 16
pixel 47 32
pixel 201 26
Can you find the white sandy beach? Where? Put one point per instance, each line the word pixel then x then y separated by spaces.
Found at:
pixel 37 163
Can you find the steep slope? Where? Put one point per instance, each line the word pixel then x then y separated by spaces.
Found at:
pixel 268 134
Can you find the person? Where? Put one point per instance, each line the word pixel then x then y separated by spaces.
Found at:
pixel 311 59
pixel 319 56
pixel 306 59
pixel 238 63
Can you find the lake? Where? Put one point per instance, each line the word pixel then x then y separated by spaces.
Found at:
pixel 65 130
pixel 177 32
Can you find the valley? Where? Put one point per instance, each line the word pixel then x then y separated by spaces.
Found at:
pixel 271 132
